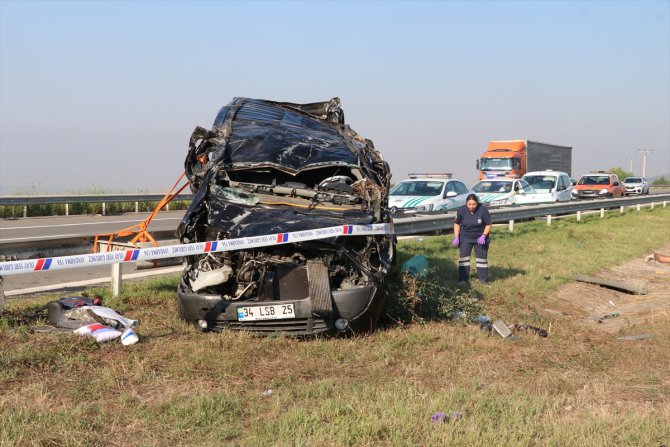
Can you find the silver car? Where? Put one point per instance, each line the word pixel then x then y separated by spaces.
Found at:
pixel 636 185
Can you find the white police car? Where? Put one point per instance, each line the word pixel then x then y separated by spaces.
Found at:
pixel 428 192
pixel 506 191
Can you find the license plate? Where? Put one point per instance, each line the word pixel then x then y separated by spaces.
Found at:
pixel 270 312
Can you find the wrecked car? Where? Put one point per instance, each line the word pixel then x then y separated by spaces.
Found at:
pixel 270 167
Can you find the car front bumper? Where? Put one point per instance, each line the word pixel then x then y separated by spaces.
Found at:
pixel 360 306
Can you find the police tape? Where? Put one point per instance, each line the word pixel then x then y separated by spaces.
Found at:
pixel 196 248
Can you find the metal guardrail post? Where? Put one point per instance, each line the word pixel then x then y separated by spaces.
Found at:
pixel 116 279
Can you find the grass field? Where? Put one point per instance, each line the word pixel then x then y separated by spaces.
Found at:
pixel 578 387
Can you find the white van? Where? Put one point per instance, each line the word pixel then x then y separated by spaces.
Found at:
pixel 428 192
pixel 552 186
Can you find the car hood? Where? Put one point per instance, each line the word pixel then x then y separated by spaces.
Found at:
pixel 291 137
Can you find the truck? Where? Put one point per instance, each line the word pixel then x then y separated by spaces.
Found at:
pixel 513 158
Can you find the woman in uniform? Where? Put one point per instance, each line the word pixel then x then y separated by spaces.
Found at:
pixel 472 226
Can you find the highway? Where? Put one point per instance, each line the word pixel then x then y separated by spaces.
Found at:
pixel 14 231
pixel 49 236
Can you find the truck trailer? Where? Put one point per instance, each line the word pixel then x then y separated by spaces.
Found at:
pixel 513 158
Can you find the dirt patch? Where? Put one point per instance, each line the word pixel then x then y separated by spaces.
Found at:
pixel 610 310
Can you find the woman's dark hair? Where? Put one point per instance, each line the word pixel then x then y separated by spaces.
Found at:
pixel 472 197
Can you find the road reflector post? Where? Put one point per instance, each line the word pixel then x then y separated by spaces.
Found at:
pixel 103 208
pixel 621 209
pixel 25 211
pixel 638 207
pixel 511 225
pixel 579 216
pixel 116 279
pixel 67 209
pixel 651 206
pixel 549 219
pixel 602 212
pixel 137 207
pixel 664 202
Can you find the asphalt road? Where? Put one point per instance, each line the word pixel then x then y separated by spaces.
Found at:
pixel 63 227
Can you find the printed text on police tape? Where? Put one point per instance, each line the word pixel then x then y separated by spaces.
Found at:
pixel 172 251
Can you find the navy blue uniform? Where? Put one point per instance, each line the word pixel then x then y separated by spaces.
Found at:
pixel 472 227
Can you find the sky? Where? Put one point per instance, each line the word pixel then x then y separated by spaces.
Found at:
pixel 104 95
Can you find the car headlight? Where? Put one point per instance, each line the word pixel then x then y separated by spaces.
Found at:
pixel 604 191
pixel 428 207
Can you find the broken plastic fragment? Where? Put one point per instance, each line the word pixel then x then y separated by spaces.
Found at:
pixel 502 329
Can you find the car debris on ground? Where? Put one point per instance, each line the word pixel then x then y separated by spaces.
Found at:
pixel 88 317
pixel 271 167
pixel 513 331
pixel 608 316
pixel 635 337
pixel 611 284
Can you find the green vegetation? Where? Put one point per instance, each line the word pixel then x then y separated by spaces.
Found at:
pixel 621 173
pixel 578 387
pixel 661 181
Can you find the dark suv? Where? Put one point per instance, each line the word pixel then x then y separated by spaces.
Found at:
pixel 273 168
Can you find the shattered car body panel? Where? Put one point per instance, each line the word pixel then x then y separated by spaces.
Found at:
pixel 270 167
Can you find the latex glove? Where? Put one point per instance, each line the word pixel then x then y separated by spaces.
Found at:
pixel 482 239
pixel 455 242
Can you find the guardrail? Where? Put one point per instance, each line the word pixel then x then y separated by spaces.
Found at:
pixel 427 223
pixel 88 198
pixel 67 200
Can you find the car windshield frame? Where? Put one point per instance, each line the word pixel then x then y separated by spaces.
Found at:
pixel 421 188
pixel 633 180
pixel 498 164
pixel 544 182
pixel 493 189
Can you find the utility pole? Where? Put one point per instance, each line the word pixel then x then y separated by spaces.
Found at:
pixel 644 153
pixel 631 166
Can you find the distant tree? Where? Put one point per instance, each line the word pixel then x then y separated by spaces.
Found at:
pixel 621 173
pixel 661 181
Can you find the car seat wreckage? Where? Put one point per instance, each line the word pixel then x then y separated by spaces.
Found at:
pixel 273 167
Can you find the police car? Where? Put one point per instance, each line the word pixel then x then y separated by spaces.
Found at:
pixel 506 191
pixel 428 192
